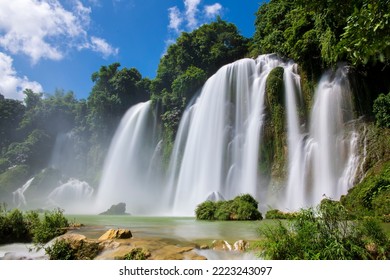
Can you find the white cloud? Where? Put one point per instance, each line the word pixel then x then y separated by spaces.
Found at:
pixel 43 29
pixel 175 19
pixel 11 85
pixel 191 16
pixel 213 10
pixel 100 45
pixel 191 12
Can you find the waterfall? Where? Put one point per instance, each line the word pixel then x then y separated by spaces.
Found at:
pixel 220 136
pixel 324 162
pixel 18 195
pixel 217 150
pixel 71 196
pixel 128 170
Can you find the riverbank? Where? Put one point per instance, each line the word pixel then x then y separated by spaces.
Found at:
pixel 163 237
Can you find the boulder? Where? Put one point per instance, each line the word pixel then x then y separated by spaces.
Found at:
pixel 221 245
pixel 116 234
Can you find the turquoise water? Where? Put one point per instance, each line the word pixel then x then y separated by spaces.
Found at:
pixel 181 228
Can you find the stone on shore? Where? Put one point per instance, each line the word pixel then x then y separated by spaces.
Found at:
pixel 116 234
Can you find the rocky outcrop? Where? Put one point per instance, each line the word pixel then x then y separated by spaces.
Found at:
pixel 116 209
pixel 83 248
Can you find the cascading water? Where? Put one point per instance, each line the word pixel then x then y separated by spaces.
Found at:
pixel 18 195
pixel 71 196
pixel 220 136
pixel 130 174
pixel 324 161
pixel 217 147
pixel 65 155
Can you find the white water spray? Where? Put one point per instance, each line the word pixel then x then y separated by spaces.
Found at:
pixel 127 172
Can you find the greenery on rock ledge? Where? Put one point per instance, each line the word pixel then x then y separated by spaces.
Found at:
pixel 243 207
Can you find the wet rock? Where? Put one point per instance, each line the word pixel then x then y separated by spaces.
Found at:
pixel 221 245
pixel 240 245
pixel 116 234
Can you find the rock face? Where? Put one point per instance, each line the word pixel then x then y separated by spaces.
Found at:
pixel 117 209
pixel 116 234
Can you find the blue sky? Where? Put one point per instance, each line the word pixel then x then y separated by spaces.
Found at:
pixel 57 44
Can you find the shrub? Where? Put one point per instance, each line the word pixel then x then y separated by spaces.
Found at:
pixel 277 214
pixel 137 254
pixel 13 227
pixel 381 109
pixel 16 226
pixel 243 207
pixel 53 224
pixel 205 210
pixel 223 211
pixel 60 250
pixel 325 233
pixel 243 210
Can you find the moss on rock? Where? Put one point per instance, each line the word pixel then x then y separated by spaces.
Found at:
pixel 273 150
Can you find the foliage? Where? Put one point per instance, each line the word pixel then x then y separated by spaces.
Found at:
pixel 12 226
pixel 273 154
pixel 137 254
pixel 277 214
pixel 186 84
pixel 53 224
pixel 11 114
pixel 61 250
pixel 32 151
pixel 65 249
pixel 381 109
pixel 366 37
pixel 208 48
pixel 44 182
pixel 12 179
pixel 206 210
pixel 371 196
pixel 320 33
pixel 115 90
pixel 325 233
pixel 16 226
pixel 242 207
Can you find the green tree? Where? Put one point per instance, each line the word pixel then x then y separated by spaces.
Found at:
pixel 207 48
pixel 11 114
pixel 381 109
pixel 113 93
pixel 366 36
